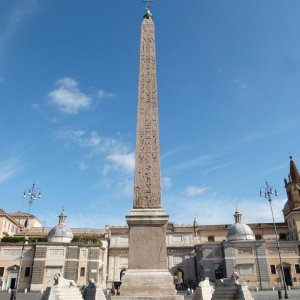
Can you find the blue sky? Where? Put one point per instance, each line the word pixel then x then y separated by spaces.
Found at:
pixel 228 88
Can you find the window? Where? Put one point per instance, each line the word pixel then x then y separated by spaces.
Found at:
pixel 123 239
pixel 297 268
pixel 258 237
pixel 211 238
pixel 177 238
pixel 217 252
pixel 82 272
pixel 282 250
pixel 84 253
pixel 246 269
pixel 273 269
pixel 282 236
pixel 27 272
pixel 245 250
pixel 219 271
pixel 1 271
pixel 56 252
pixel 51 271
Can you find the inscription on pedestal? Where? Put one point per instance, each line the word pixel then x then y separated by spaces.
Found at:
pixel 148 247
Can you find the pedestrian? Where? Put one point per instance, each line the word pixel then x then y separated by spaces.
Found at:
pixel 188 291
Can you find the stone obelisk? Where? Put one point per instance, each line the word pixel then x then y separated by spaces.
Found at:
pixel 147 276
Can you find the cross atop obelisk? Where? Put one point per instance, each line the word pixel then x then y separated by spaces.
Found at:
pixel 148 2
pixel 147 189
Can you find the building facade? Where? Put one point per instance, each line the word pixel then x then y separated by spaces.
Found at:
pixel 193 251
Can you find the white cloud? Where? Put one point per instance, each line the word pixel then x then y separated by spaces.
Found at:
pixel 166 183
pixel 9 168
pixel 125 161
pixel 192 191
pixel 98 144
pixel 101 94
pixel 117 154
pixel 68 97
pixel 14 19
pixel 192 163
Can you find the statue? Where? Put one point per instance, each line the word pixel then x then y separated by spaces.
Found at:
pixel 62 289
pixel 62 282
pixel 230 288
pixel 231 281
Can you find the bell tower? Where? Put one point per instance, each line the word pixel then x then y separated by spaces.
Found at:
pixel 291 210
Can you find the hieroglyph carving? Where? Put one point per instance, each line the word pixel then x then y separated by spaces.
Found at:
pixel 147 190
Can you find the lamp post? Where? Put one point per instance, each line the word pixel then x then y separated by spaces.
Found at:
pixel 267 192
pixel 32 193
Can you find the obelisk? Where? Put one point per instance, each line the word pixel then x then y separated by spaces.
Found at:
pixel 147 276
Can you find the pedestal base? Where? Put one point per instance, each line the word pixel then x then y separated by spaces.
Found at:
pixel 61 293
pixel 238 292
pixel 146 284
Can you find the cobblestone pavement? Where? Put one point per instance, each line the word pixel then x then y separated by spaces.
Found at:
pixel 263 295
pixel 21 296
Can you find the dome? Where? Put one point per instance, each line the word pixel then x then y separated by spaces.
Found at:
pixel 60 233
pixel 239 231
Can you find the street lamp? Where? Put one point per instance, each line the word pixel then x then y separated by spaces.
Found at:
pixel 32 193
pixel 267 192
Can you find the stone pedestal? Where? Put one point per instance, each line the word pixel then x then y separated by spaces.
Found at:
pixel 62 293
pixel 204 291
pixel 238 292
pixel 147 276
pixel 147 239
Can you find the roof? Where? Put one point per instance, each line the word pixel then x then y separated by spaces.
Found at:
pixel 8 216
pixel 22 214
pixel 43 231
pixel 240 231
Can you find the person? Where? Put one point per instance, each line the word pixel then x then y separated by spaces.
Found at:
pixel 113 292
pixel 188 291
